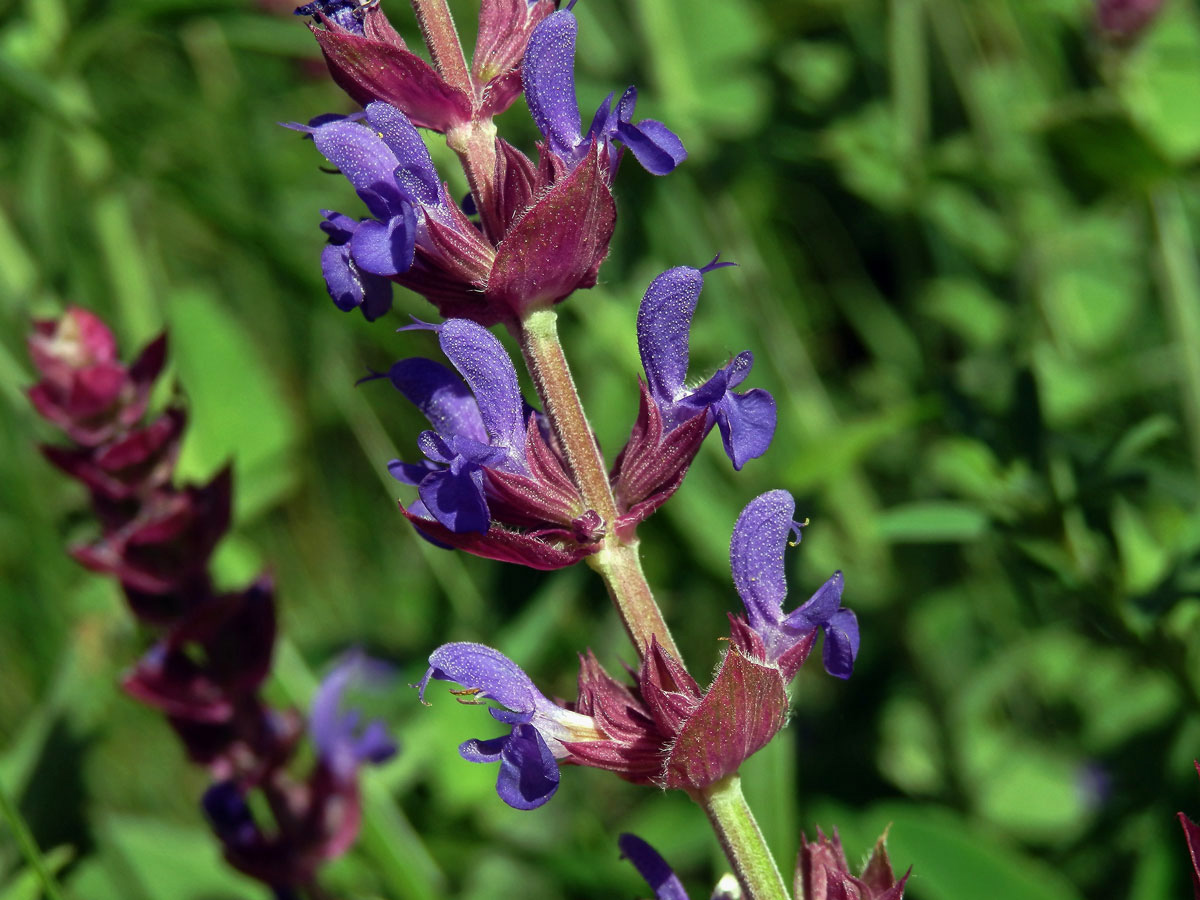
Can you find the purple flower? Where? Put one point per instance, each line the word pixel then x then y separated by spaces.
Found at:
pixel 548 73
pixel 342 740
pixel 756 557
pixel 477 425
pixel 652 867
pixel 664 322
pixel 529 753
pixel 391 170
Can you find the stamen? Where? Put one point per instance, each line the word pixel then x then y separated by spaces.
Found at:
pixel 795 530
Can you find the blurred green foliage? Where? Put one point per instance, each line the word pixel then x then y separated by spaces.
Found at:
pixel 967 271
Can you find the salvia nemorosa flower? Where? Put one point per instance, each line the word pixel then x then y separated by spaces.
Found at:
pixel 551 228
pixel 756 555
pixel 490 483
pixel 370 61
pixel 322 818
pixel 549 76
pixel 529 753
pixel 822 872
pixel 343 740
pixel 674 417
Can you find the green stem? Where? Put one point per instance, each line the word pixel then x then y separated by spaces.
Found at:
pixel 475 144
pixel 441 37
pixel 617 562
pixel 741 839
pixel 28 845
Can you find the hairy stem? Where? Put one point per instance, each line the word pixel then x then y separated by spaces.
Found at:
pixel 741 839
pixel 441 37
pixel 475 144
pixel 617 562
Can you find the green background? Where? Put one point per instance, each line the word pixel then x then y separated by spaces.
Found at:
pixel 967 273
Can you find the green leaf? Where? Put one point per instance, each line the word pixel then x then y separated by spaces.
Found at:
pixel 237 411
pixel 931 521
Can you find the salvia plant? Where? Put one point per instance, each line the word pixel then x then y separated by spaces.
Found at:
pixel 512 478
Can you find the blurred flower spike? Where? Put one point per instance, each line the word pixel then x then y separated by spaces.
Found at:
pixel 756 556
pixel 1124 21
pixel 674 418
pixel 322 818
pixel 369 60
pixel 84 387
pixel 529 753
pixel 822 872
pixel 490 484
pixel 549 76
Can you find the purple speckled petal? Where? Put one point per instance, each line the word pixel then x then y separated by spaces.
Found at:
pixel 664 325
pixel 820 608
pixel 350 287
pixel 841 644
pixel 489 373
pixel 604 122
pixel 338 226
pixel 528 771
pixel 415 171
pixel 410 473
pixel 478 751
pixel 489 672
pixel 456 499
pixel 747 423
pixel 548 73
pixel 655 146
pixel 386 249
pixel 441 396
pixel 652 867
pixel 366 161
pixel 756 556
pixel 341 744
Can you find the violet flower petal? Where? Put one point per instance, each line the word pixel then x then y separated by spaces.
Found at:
pixel 841 644
pixel 529 773
pixel 386 249
pixel 456 499
pixel 664 324
pixel 548 74
pixel 440 395
pixel 652 867
pixel 366 161
pixel 479 751
pixel 747 423
pixel 656 147
pixel 756 556
pixel 415 171
pixel 489 373
pixel 350 287
pixel 819 608
pixel 489 672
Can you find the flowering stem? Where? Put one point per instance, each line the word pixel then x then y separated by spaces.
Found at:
pixel 475 144
pixel 441 37
pixel 617 562
pixel 741 839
